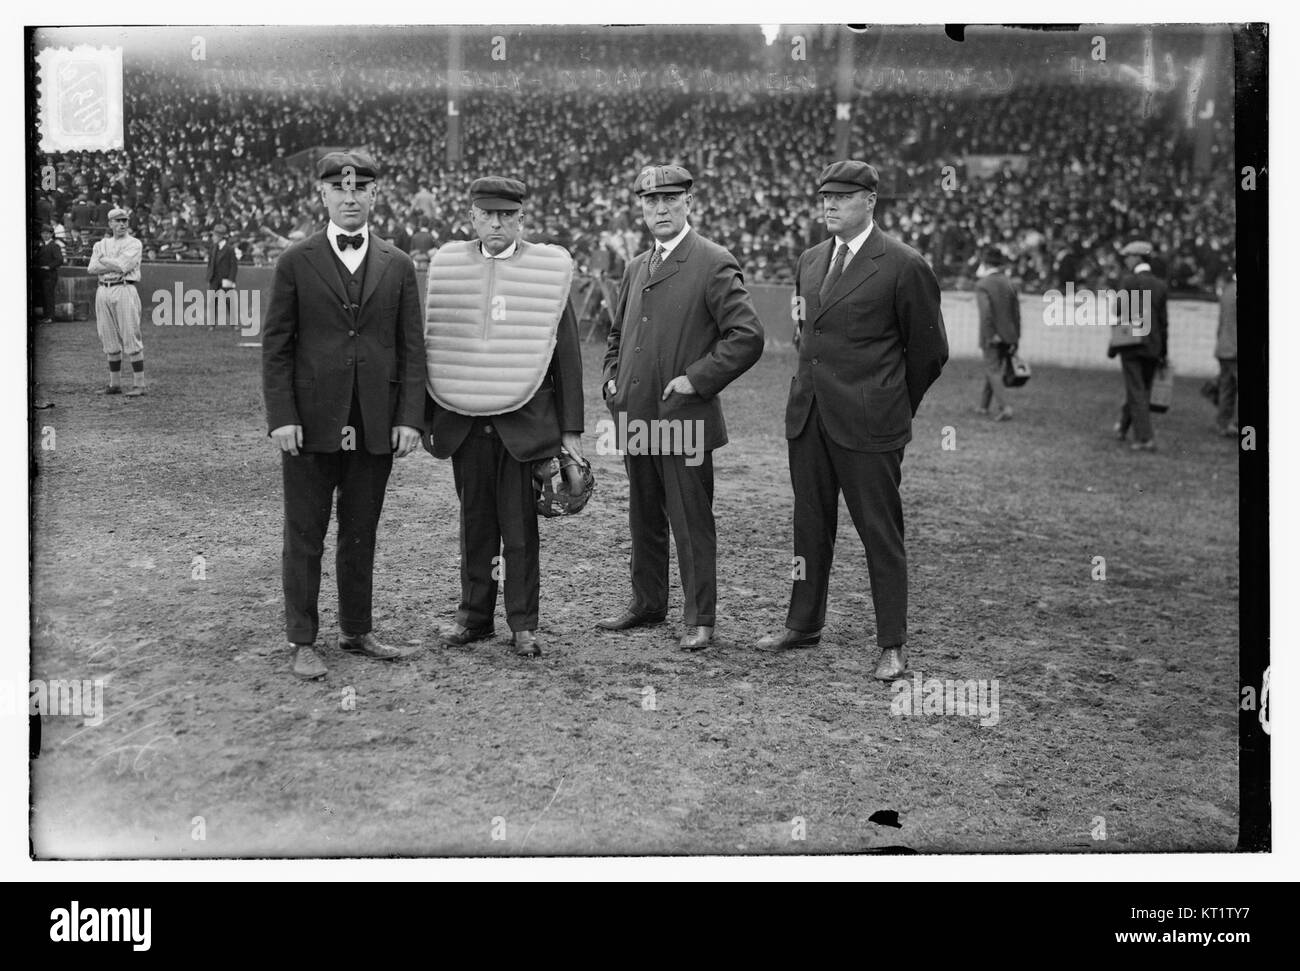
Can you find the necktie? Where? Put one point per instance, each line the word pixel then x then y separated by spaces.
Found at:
pixel 346 241
pixel 836 269
pixel 656 260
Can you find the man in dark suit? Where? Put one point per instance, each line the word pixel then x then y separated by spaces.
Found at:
pixel 343 376
pixel 683 329
pixel 999 311
pixel 871 342
pixel 1141 341
pixel 505 392
pixel 49 257
pixel 223 267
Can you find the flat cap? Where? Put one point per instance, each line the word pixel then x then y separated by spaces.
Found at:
pixel 663 178
pixel 220 228
pixel 494 193
pixel 118 213
pixel 849 175
pixel 1139 247
pixel 337 166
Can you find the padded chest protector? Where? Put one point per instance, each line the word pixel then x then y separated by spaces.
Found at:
pixel 490 325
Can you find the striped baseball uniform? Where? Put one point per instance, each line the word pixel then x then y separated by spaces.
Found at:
pixel 117 304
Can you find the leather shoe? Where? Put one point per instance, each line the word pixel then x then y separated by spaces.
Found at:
pixel 307 663
pixel 629 619
pixel 788 639
pixel 893 664
pixel 368 645
pixel 461 635
pixel 1148 446
pixel 526 644
pixel 697 640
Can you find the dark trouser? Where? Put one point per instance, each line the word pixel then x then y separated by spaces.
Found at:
pixel 497 510
pixel 663 492
pixel 819 471
pixel 991 393
pixel 49 289
pixel 1139 372
pixel 310 479
pixel 1227 393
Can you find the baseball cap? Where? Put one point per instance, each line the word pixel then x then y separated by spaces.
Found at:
pixel 495 193
pixel 337 166
pixel 662 178
pixel 118 213
pixel 1139 247
pixel 849 175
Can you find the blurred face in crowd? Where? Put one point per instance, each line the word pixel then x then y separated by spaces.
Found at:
pixel 348 208
pixel 665 213
pixel 496 229
pixel 847 213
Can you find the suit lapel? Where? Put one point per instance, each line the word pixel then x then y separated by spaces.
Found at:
pixel 378 256
pixel 860 269
pixel 819 264
pixel 321 258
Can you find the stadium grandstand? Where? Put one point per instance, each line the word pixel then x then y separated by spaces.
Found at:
pixel 1016 139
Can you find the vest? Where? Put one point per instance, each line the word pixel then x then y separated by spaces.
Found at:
pixel 353 283
pixel 490 325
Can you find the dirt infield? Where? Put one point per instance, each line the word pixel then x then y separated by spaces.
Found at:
pixel 1116 697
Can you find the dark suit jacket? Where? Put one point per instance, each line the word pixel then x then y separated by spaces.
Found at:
pixel 532 431
pixel 49 255
pixel 314 352
pixel 695 318
pixel 868 354
pixel 1155 344
pixel 999 309
pixel 221 265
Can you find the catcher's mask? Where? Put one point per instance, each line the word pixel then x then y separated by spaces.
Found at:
pixel 576 485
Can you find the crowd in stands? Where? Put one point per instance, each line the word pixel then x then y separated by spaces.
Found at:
pixel 1092 165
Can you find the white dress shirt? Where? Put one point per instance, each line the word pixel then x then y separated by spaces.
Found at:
pixel 855 243
pixel 352 258
pixel 505 254
pixel 668 247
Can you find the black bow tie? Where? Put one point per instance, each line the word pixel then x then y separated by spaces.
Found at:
pixel 345 241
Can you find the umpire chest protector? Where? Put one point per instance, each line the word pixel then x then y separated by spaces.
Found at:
pixel 490 325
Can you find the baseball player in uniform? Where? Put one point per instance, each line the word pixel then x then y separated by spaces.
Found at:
pixel 116 261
